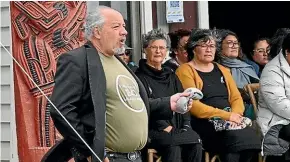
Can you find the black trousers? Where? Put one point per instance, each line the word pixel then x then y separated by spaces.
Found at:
pixel 243 156
pixel 182 153
pixel 284 134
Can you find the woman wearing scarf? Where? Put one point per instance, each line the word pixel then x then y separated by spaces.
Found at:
pixel 243 73
pixel 173 139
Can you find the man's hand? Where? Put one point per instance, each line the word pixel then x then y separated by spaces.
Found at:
pixel 174 98
pixel 106 159
pixel 237 118
pixel 168 129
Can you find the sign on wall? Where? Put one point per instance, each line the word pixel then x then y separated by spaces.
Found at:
pixel 174 11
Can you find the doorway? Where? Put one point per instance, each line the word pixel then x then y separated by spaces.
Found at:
pixel 249 20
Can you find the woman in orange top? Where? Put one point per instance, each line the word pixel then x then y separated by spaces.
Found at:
pixel 217 118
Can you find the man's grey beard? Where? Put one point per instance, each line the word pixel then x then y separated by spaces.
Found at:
pixel 119 50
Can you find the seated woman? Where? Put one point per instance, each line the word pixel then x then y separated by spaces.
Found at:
pixel 178 52
pixel 221 101
pixel 243 73
pixel 260 54
pixel 174 140
pixel 274 105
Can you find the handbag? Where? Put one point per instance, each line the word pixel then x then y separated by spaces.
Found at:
pixel 220 124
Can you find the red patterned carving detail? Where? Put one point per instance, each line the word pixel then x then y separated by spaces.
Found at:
pixel 41 31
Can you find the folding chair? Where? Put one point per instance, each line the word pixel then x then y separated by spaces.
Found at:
pixel 213 159
pixel 252 90
pixel 152 154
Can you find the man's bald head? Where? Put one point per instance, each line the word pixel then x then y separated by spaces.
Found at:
pixel 97 18
pixel 105 28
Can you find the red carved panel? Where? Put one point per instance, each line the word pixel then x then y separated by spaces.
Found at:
pixel 41 31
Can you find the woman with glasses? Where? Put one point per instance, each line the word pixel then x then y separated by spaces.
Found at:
pixel 260 55
pixel 178 52
pixel 218 116
pixel 228 56
pixel 174 139
pixel 261 51
pixel 243 73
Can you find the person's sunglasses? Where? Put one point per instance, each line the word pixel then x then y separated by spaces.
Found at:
pixel 127 53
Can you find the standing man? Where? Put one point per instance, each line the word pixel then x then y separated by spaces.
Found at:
pixel 102 99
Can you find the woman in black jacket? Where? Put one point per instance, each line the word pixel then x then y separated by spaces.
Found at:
pixel 174 139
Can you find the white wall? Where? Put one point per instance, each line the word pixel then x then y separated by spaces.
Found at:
pixel 8 147
pixel 203 15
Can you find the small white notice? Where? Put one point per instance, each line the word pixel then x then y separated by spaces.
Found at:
pixel 174 11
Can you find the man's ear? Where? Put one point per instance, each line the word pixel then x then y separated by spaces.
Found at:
pixel 97 32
